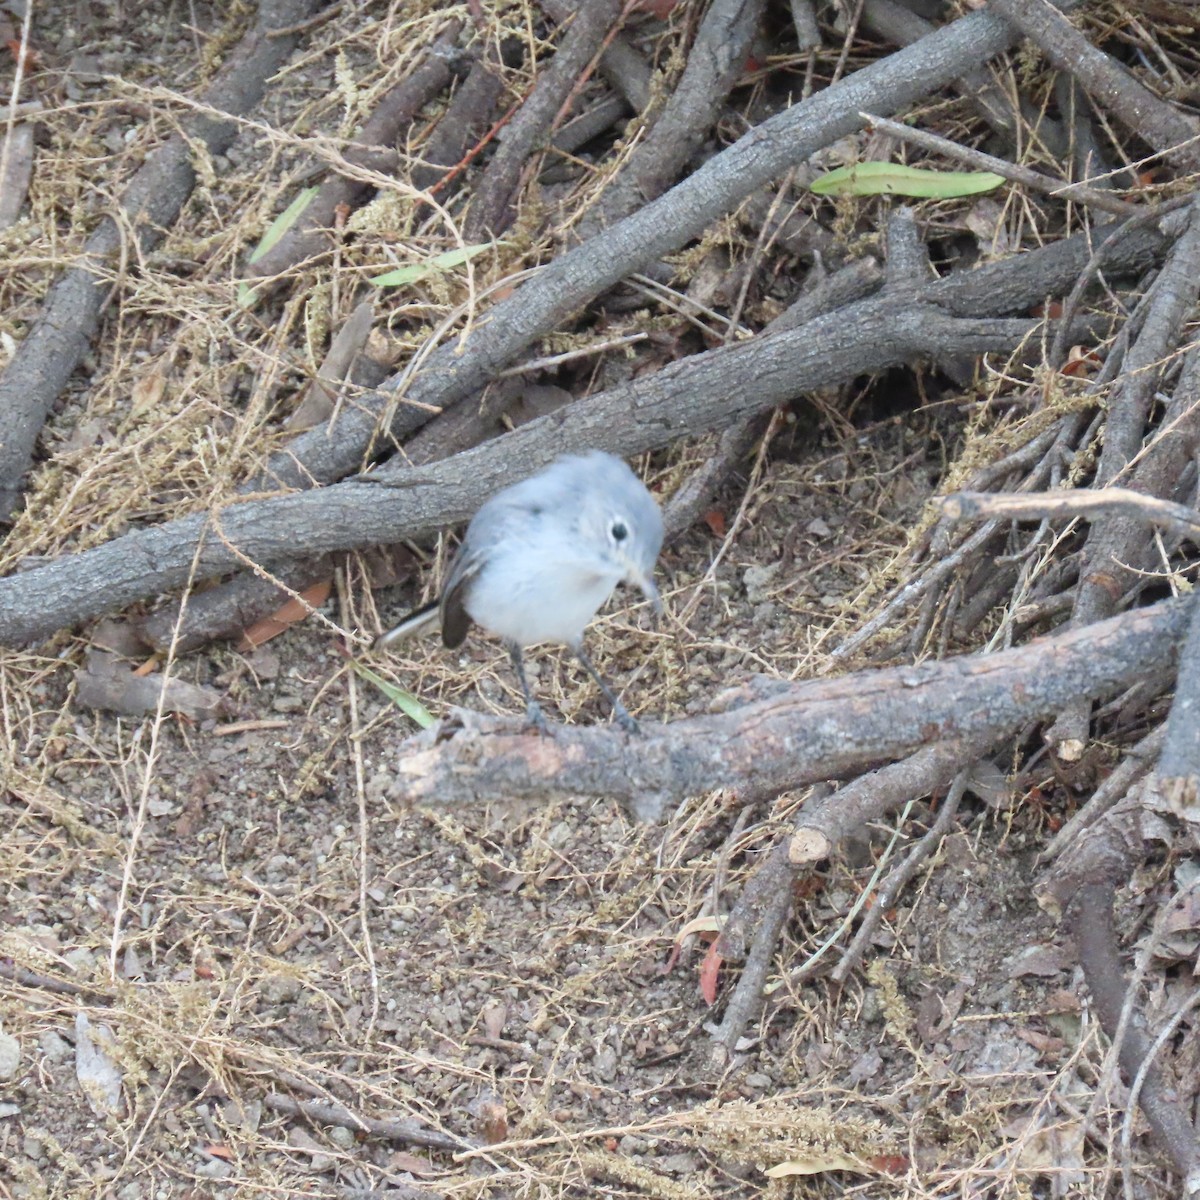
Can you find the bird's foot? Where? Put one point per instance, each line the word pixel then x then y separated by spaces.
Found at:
pixel 626 722
pixel 535 719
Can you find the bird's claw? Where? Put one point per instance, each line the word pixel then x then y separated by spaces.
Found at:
pixel 627 723
pixel 536 720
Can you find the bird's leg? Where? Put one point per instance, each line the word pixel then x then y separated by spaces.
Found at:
pixel 620 712
pixel 533 710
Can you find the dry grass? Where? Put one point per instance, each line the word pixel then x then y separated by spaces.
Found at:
pixel 251 914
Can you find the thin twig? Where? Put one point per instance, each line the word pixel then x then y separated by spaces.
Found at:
pixel 328 1113
pixel 1164 514
pixel 899 878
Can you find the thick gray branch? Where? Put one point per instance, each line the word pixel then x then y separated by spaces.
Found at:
pixel 801 733
pixel 701 392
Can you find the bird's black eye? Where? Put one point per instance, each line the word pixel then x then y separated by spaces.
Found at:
pixel 618 531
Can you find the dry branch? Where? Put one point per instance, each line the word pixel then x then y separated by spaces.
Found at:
pixel 1092 921
pixel 1138 761
pixel 800 734
pixel 467 117
pixel 979 86
pixel 827 818
pixel 1149 510
pixel 967 155
pixel 573 279
pixel 715 62
pixel 372 148
pixel 153 199
pixel 1118 539
pixel 491 209
pixel 697 393
pixel 327 1113
pixel 772 902
pixel 687 397
pixel 1106 81
pixel 897 879
pixel 621 63
pixel 1179 767
pixel 232 607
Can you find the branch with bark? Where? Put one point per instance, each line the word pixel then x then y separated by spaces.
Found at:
pixel 698 393
pixel 800 733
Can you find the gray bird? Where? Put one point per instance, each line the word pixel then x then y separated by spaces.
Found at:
pixel 540 558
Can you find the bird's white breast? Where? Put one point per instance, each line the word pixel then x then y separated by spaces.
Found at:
pixel 539 596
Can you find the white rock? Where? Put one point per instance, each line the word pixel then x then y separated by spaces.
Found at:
pixel 10 1056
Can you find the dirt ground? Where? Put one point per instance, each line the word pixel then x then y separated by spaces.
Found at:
pixel 239 916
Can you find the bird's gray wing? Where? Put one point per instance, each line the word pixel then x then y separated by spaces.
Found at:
pixel 456 621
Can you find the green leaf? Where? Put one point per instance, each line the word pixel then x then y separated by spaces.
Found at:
pixel 405 701
pixel 439 262
pixel 884 178
pixel 283 223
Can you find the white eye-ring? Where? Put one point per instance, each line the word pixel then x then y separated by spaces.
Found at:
pixel 618 531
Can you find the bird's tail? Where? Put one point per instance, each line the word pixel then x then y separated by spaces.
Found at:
pixel 417 622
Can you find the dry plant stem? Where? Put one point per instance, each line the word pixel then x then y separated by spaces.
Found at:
pixel 1179 767
pixel 578 276
pixel 47 983
pixel 802 734
pixel 16 144
pixel 1138 760
pixel 138 823
pixel 695 495
pixel 233 606
pixel 715 61
pixel 1042 454
pixel 393 1191
pixel 747 999
pixel 310 234
pixel 1083 146
pixel 1119 539
pixel 1109 501
pixel 491 209
pixel 360 792
pixel 1106 81
pixel 898 879
pixel 1104 201
pixel 913 591
pixel 327 1113
pixel 827 819
pixel 1092 923
pixel 1112 236
pixel 793 229
pixel 687 397
pixel 71 313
